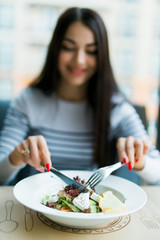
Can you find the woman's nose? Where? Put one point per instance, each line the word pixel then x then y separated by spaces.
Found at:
pixel 80 57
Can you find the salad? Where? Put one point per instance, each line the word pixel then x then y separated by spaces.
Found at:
pixel 71 199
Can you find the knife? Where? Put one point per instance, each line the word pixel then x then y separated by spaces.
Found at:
pixel 67 180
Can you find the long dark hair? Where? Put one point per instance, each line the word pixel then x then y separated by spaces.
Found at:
pixel 100 87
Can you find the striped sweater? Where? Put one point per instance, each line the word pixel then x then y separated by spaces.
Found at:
pixel 67 128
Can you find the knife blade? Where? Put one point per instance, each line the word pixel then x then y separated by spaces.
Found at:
pixel 67 180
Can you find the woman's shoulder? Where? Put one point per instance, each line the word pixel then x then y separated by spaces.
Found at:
pixel 121 105
pixel 28 98
pixel 117 98
pixel 30 94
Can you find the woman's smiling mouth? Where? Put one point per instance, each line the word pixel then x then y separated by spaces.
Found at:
pixel 76 71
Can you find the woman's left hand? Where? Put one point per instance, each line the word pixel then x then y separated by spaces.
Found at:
pixel 131 152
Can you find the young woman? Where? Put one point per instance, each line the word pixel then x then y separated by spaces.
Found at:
pixel 73 115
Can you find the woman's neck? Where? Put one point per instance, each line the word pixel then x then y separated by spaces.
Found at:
pixel 75 94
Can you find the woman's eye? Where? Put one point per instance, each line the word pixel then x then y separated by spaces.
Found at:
pixel 92 52
pixel 67 48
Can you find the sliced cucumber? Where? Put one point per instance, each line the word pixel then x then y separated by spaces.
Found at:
pixel 74 208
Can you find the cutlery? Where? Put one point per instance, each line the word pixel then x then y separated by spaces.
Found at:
pixel 102 173
pixel 67 180
pixel 28 219
pixel 148 221
pixel 8 225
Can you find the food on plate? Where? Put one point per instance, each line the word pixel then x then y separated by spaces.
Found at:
pixel 109 203
pixel 71 199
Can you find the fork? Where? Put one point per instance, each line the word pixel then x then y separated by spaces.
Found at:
pixel 67 180
pixel 149 222
pixel 102 173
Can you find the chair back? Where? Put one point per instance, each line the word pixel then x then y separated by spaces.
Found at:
pixel 4 104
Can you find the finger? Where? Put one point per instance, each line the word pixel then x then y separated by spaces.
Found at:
pixel 44 153
pixel 35 160
pixel 16 157
pixel 138 146
pixel 130 152
pixel 146 147
pixel 25 151
pixel 121 150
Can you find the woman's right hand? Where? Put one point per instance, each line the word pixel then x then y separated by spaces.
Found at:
pixel 33 151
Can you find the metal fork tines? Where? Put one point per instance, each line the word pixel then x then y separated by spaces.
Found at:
pixel 102 173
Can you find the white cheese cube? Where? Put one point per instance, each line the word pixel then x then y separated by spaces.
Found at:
pixel 53 198
pixel 82 201
pixel 95 197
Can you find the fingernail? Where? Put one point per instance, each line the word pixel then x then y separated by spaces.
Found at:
pixel 47 167
pixel 130 166
pixel 41 170
pixel 125 161
pixel 136 160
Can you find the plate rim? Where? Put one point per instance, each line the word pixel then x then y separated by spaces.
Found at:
pixel 53 212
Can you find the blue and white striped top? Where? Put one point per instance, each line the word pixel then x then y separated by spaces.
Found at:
pixel 67 128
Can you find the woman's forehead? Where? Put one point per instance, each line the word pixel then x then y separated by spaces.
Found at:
pixel 78 32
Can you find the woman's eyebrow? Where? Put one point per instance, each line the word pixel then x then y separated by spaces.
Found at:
pixel 69 40
pixel 73 42
pixel 91 44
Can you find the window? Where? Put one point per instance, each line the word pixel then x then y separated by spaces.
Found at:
pixel 6 16
pixel 42 19
pixel 6 55
pixel 41 24
pixel 155 63
pixel 131 1
pixel 6 87
pixel 157 27
pixel 125 64
pixel 128 25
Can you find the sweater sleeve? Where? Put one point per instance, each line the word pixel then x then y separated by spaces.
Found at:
pixel 126 122
pixel 14 131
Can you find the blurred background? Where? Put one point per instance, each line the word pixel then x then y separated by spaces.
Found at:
pixel 133 26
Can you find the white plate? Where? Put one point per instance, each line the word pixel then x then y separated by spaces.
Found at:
pixel 31 190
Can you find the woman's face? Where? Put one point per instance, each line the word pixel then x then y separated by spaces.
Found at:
pixel 77 61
